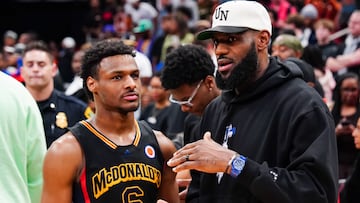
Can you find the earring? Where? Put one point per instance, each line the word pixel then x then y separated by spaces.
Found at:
pixel 210 89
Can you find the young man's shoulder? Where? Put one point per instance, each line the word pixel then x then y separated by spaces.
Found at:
pixel 67 143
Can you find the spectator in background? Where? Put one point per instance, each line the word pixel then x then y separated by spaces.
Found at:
pixel 310 14
pixel 205 9
pixel 122 23
pixel 283 8
pixel 11 58
pixel 140 10
pixel 352 43
pixel 347 8
pixel 294 24
pixel 189 8
pixel 93 22
pixel 346 111
pixel 156 49
pixel 12 55
pixel 165 8
pixel 179 34
pixel 27 37
pixel 144 38
pixel 312 54
pixel 22 142
pixel 68 46
pixel 10 38
pixel 285 46
pixel 327 9
pixel 323 29
pixel 76 83
pixel 162 115
pixel 58 110
pixel 76 86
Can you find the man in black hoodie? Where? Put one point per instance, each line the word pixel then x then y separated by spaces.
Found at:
pixel 269 137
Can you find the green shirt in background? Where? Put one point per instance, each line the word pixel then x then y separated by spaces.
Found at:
pixel 22 144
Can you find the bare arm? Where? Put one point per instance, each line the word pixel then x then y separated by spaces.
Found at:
pixel 169 188
pixel 342 61
pixel 62 165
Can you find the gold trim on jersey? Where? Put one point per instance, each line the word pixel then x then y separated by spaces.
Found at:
pixel 107 140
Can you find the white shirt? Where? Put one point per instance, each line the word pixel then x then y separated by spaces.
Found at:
pixel 74 86
pixel 145 11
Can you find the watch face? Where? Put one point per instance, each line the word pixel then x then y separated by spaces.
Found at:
pixel 238 164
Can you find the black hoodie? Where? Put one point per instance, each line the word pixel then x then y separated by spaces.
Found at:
pixel 287 134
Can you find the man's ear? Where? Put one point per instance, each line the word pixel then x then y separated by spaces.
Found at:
pixel 91 84
pixel 298 54
pixel 209 81
pixel 54 69
pixel 21 70
pixel 263 40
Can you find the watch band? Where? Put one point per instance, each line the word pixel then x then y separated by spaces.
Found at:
pixel 237 165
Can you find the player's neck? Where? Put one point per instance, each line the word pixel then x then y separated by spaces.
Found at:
pixel 115 127
pixel 121 132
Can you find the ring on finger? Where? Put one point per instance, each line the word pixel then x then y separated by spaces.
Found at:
pixel 187 157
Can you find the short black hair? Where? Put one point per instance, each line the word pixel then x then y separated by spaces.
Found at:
pixel 38 45
pixel 313 55
pixel 187 64
pixel 99 51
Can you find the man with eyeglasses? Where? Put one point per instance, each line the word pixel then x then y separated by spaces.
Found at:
pixel 188 101
pixel 191 83
pixel 268 137
pixel 188 74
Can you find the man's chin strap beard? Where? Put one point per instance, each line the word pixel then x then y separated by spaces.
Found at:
pixel 243 73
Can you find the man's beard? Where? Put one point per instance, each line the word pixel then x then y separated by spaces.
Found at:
pixel 243 74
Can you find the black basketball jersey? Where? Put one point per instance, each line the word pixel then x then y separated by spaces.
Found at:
pixel 115 173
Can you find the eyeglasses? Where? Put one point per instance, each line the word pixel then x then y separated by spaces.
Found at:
pixel 188 102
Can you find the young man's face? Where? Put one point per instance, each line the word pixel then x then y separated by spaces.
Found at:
pixel 117 87
pixel 197 94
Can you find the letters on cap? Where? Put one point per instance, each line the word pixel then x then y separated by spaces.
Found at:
pixel 236 17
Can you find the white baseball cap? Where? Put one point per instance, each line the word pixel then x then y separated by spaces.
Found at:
pixel 236 17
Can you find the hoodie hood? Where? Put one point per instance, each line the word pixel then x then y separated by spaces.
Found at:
pixel 276 74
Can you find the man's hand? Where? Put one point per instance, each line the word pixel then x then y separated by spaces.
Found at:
pixel 204 155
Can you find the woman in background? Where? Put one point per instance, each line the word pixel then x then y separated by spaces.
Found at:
pixel 346 112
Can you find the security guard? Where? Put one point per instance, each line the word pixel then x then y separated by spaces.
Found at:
pixel 58 110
